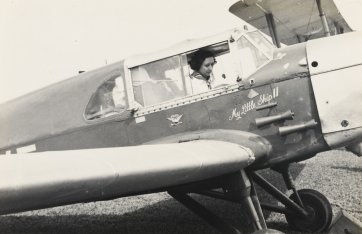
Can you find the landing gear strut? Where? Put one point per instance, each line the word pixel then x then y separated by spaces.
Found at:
pixel 237 188
pixel 306 210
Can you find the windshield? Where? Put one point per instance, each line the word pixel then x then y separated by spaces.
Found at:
pixel 266 46
pixel 262 43
pixel 255 51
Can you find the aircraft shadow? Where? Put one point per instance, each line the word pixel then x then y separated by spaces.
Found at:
pixel 166 216
pixel 352 169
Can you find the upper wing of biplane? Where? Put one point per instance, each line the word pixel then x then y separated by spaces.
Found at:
pixel 291 22
pixel 48 179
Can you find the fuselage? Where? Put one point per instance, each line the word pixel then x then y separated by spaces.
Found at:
pixel 277 102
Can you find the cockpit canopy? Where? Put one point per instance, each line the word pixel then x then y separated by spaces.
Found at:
pixel 153 79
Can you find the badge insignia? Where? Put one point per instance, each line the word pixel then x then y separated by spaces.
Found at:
pixel 175 119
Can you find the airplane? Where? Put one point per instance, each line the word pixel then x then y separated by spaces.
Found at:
pixel 140 126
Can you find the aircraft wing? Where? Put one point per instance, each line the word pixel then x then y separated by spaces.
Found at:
pixel 294 20
pixel 48 179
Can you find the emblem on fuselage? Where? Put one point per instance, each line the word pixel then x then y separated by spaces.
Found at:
pixel 175 119
pixel 252 94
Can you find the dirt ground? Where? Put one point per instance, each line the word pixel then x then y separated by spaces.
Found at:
pixel 337 174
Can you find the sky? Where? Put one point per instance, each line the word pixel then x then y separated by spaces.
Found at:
pixel 42 41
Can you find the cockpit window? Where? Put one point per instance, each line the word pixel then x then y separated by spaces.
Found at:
pixel 109 99
pixel 251 56
pixel 158 81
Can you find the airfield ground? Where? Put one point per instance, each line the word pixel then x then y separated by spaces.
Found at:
pixel 337 174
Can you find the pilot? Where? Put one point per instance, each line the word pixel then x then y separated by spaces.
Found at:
pixel 202 63
pixel 119 94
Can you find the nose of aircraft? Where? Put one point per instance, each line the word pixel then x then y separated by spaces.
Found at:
pixel 335 65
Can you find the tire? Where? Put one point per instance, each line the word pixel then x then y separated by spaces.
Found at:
pixel 318 208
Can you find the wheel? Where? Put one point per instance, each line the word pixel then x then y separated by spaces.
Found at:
pixel 319 212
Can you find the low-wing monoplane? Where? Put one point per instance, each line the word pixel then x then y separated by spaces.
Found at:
pixel 140 126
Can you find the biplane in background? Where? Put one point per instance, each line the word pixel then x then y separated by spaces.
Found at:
pixel 302 21
pixel 141 126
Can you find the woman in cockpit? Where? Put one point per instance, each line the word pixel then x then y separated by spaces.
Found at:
pixel 202 63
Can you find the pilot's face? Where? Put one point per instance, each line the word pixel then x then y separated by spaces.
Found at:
pixel 206 67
